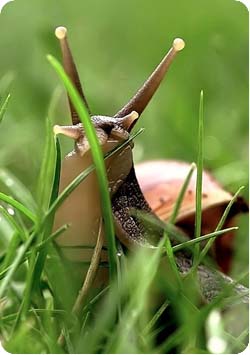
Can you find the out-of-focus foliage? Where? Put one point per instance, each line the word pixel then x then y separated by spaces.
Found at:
pixel 116 45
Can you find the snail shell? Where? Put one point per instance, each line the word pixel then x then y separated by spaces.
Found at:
pixel 161 182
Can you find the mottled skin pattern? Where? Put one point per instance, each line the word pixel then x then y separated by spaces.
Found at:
pixel 132 232
pixel 212 282
pixel 127 197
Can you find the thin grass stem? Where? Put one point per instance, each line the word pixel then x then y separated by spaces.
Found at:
pixel 3 107
pixel 19 206
pixel 219 225
pixel 198 196
pixel 213 235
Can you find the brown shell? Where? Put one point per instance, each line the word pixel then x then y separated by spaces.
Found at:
pixel 161 181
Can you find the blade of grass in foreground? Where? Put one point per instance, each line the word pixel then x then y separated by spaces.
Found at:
pixel 220 225
pixel 48 188
pixel 17 189
pixel 20 254
pixel 181 194
pixel 168 246
pixel 198 197
pixel 98 161
pixel 3 107
pixel 155 318
pixel 13 222
pixel 47 171
pixel 200 239
pixel 19 206
pixel 11 252
pixel 53 236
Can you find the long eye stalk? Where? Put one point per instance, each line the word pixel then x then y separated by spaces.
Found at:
pixel 142 97
pixel 70 69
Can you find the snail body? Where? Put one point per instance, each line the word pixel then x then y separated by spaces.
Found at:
pixel 82 209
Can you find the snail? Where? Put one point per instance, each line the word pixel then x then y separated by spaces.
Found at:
pixel 82 208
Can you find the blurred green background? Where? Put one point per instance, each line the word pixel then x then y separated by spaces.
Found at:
pixel 116 44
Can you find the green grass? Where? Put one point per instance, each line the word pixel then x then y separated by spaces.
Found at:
pixel 198 195
pixel 43 315
pixel 38 286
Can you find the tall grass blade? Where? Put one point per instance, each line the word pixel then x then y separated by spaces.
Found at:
pixel 20 255
pixel 13 222
pixel 168 247
pixel 219 225
pixel 17 189
pixel 171 259
pixel 52 237
pixel 50 175
pixel 155 318
pixel 46 177
pixel 200 239
pixel 181 194
pixel 11 251
pixel 19 206
pixel 98 161
pixel 198 197
pixel 3 107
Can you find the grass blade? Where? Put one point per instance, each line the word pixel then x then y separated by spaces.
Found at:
pixel 181 194
pixel 17 189
pixel 198 197
pixel 191 242
pixel 50 176
pixel 98 161
pixel 19 206
pixel 3 107
pixel 14 224
pixel 168 247
pixel 46 177
pixel 155 318
pixel 171 259
pixel 220 225
pixel 20 255
pixel 11 251
pixel 53 236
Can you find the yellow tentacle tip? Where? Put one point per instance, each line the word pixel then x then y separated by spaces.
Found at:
pixel 57 129
pixel 134 115
pixel 178 44
pixel 61 32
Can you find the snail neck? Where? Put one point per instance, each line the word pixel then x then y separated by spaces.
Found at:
pixel 129 229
